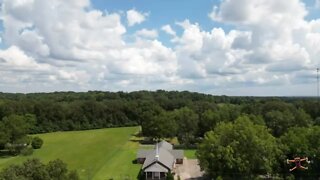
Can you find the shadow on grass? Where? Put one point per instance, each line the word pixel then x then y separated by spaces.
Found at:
pixel 134 161
pixel 137 137
pixel 5 154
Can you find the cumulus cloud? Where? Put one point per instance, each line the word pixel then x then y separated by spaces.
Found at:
pixel 167 28
pixel 69 45
pixel 59 29
pixel 278 38
pixel 16 59
pixel 78 47
pixel 147 33
pixel 134 17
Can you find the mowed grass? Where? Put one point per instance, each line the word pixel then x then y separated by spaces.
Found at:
pixel 190 153
pixel 96 154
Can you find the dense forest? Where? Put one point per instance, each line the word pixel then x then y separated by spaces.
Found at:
pixel 288 126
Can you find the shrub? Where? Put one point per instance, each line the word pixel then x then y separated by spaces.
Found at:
pixel 26 151
pixel 14 149
pixel 36 143
pixel 73 175
pixel 170 176
pixel 141 175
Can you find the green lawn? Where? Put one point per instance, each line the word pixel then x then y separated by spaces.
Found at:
pixel 190 153
pixel 96 154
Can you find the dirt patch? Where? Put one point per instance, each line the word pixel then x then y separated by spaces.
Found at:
pixel 190 169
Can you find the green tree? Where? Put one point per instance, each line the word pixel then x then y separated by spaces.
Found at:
pixel 161 126
pixel 36 143
pixel 279 121
pixel 57 170
pixel 148 114
pixel 34 169
pixel 301 118
pixel 4 135
pixel 187 121
pixel 17 126
pixel 242 148
pixel 208 121
pixel 13 172
pixel 14 130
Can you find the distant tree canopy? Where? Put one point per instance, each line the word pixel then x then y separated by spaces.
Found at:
pixel 186 115
pixel 95 109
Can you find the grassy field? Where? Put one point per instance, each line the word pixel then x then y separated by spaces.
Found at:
pixel 95 154
pixel 190 153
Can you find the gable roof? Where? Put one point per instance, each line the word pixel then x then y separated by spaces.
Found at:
pixel 163 157
pixel 143 153
pixel 156 167
pixel 177 154
pixel 164 144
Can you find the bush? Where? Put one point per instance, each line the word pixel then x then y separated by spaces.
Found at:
pixel 14 149
pixel 27 151
pixel 73 175
pixel 141 175
pixel 36 143
pixel 170 176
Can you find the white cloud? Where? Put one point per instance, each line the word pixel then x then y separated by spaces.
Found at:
pixel 278 40
pixel 317 4
pixel 16 59
pixel 62 30
pixel 256 11
pixel 204 54
pixel 69 45
pixel 147 33
pixel 134 17
pixel 167 28
pixel 80 48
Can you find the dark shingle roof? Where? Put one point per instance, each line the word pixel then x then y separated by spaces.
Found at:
pixel 143 153
pixel 177 154
pixel 164 157
pixel 164 144
pixel 156 167
pixel 161 158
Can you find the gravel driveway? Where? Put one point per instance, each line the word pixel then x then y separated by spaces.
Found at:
pixel 190 169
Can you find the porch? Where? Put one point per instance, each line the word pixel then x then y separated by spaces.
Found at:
pixel 155 175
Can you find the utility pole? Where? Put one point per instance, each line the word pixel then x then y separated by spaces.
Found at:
pixel 318 109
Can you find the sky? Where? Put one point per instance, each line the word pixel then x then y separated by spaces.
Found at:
pixel 220 47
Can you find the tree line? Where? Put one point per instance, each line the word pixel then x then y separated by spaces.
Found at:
pixel 235 135
pixel 66 111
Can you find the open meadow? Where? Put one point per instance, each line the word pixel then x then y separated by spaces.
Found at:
pixel 95 154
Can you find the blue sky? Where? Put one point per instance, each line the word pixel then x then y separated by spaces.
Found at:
pixel 170 11
pixel 232 47
pixel 164 12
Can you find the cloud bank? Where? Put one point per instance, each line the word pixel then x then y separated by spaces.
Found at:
pixel 271 49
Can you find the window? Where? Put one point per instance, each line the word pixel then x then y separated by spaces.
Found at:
pixel 157 174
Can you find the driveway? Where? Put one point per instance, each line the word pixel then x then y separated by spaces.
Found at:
pixel 190 169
